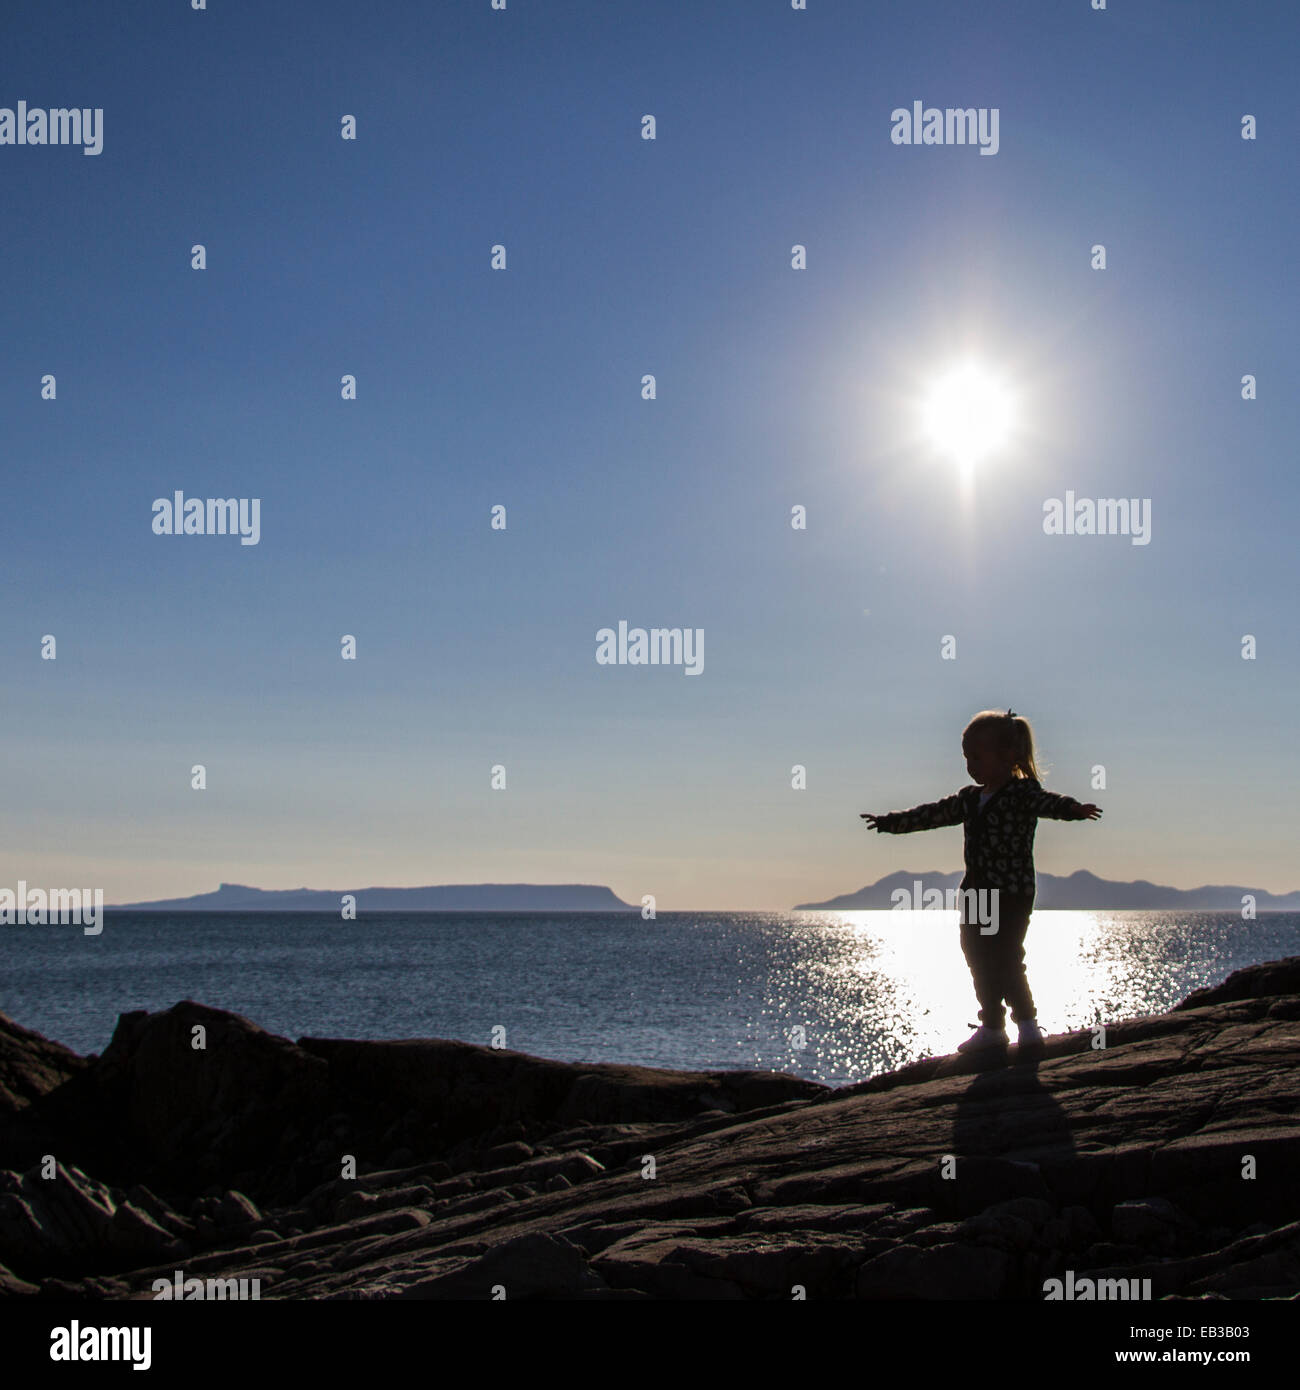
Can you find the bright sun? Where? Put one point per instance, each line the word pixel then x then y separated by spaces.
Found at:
pixel 968 413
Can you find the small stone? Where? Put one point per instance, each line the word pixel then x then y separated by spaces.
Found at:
pixel 1148 1221
pixel 507 1155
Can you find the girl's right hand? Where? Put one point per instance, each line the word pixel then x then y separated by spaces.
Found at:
pixel 871 821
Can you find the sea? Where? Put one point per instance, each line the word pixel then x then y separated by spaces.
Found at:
pixel 835 997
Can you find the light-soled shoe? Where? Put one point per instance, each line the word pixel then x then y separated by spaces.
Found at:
pixel 984 1037
pixel 1031 1035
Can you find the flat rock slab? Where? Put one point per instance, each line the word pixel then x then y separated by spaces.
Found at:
pixel 1170 1154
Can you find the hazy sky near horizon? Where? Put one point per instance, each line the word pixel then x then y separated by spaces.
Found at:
pixel 522 387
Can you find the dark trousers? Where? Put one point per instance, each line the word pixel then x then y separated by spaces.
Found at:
pixel 997 961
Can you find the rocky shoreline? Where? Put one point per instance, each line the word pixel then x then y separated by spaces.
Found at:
pixel 1167 1156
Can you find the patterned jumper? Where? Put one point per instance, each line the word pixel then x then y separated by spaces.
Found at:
pixel 999 839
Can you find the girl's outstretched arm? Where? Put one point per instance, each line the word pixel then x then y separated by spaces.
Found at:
pixel 1057 807
pixel 930 816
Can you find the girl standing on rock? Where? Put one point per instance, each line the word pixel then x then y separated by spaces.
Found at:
pixel 1000 816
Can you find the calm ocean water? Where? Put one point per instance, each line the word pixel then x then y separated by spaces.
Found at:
pixel 869 990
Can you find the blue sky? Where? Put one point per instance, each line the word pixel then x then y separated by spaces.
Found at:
pixel 521 387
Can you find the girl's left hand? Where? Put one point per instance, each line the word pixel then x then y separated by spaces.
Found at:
pixel 1090 812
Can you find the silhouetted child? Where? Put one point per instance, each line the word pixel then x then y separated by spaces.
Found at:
pixel 1000 816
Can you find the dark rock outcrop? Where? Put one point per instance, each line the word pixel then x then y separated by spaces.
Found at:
pixel 1168 1156
pixel 67 1223
pixel 195 1097
pixel 1278 979
pixel 31 1068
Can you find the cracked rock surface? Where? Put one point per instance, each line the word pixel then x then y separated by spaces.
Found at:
pixel 476 1173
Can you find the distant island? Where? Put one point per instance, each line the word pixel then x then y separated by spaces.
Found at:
pixel 441 897
pixel 1081 891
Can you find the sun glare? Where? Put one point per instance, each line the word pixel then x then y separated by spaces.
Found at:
pixel 968 414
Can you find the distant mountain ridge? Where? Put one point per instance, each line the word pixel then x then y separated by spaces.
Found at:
pixel 442 897
pixel 1081 891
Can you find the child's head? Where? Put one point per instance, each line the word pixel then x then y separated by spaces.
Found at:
pixel 999 742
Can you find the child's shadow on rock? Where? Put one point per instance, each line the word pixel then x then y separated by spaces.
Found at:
pixel 1006 1114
